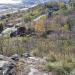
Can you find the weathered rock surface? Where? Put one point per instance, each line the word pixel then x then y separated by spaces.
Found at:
pixel 31 66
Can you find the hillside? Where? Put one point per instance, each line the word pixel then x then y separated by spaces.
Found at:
pixel 39 40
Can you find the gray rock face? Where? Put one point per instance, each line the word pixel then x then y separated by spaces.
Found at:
pixel 31 66
pixel 24 66
pixel 7 66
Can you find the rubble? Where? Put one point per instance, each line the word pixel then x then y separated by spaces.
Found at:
pixel 26 55
pixel 25 65
pixel 15 57
pixel 7 66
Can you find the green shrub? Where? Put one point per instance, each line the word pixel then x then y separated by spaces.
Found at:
pixel 51 59
pixel 72 72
